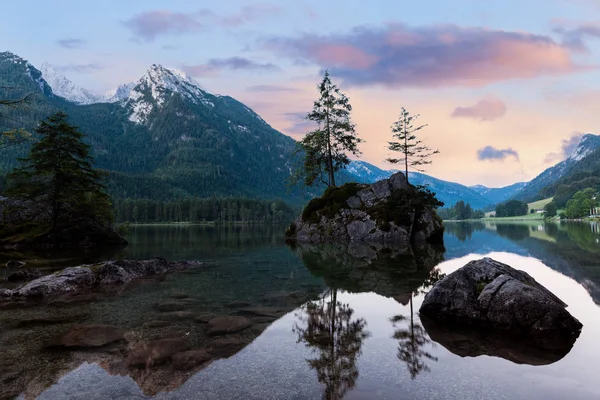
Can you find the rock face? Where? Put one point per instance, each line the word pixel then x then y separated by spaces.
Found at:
pixel 383 212
pixel 488 294
pixel 87 278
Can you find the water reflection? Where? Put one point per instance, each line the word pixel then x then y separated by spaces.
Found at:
pixel 327 326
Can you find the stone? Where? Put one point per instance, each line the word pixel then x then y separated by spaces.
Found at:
pixel 398 181
pixel 24 275
pixel 367 197
pixel 492 295
pixel 88 336
pixel 381 189
pixel 86 278
pixel 156 352
pixel 225 347
pixel 178 315
pixel 51 320
pixel 157 324
pixel 228 324
pixel 204 318
pixel 179 295
pixel 189 359
pixel 69 280
pixel 252 312
pixel 354 202
pixel 167 306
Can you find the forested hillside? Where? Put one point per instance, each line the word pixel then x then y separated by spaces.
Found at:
pixel 168 139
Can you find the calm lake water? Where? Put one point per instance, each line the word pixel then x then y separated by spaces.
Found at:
pixel 337 322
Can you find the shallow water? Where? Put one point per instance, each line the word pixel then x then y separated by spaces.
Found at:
pixel 345 329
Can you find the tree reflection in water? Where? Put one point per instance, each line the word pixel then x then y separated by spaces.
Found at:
pixel 411 335
pixel 327 327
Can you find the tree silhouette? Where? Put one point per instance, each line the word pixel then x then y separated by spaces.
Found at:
pixel 327 326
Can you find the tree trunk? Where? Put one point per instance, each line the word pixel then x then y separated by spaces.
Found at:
pixel 405 153
pixel 329 155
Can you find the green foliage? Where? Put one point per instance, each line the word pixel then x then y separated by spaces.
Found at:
pixel 460 211
pixel 512 208
pixel 332 201
pixel 580 205
pixel 196 210
pixel 325 148
pixel 400 207
pixel 58 174
pixel 550 210
pixel 414 153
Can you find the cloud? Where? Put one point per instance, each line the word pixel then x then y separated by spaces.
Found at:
pixel 71 43
pixel 271 88
pixel 493 154
pixel 442 55
pixel 81 68
pixel 487 109
pixel 573 34
pixel 148 25
pixel 567 147
pixel 216 65
pixel 299 124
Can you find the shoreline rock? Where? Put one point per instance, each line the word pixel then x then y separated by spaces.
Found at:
pixel 487 294
pixel 89 278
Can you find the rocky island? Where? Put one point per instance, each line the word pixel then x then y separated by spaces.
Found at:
pixel 390 211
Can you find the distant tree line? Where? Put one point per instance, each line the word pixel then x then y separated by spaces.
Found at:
pixel 512 208
pixel 221 210
pixel 460 211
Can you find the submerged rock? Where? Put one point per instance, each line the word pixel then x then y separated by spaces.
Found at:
pixel 14 264
pixel 488 294
pixel 86 278
pixel 156 352
pixel 88 336
pixel 390 211
pixel 229 324
pixel 187 360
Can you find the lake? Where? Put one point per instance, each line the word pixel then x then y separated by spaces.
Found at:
pixel 327 322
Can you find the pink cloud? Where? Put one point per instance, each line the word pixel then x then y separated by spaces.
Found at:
pixel 400 56
pixel 487 109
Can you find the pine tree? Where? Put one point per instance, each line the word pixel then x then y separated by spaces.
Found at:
pixel 325 148
pixel 414 153
pixel 58 173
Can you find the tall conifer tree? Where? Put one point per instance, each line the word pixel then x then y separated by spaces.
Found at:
pixel 414 152
pixel 326 148
pixel 59 174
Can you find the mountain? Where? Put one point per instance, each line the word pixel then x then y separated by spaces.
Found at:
pixel 448 192
pixel 499 195
pixel 536 188
pixel 63 87
pixel 165 138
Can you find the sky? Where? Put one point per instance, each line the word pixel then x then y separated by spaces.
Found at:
pixel 505 87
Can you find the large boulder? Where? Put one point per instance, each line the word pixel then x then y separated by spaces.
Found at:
pixel 488 294
pixel 390 211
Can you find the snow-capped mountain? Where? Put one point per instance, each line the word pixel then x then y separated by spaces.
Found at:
pixel 120 93
pixel 11 61
pixel 63 87
pixel 156 86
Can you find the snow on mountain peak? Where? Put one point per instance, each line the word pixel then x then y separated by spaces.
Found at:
pixel 121 93
pixel 160 83
pixel 587 144
pixel 63 87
